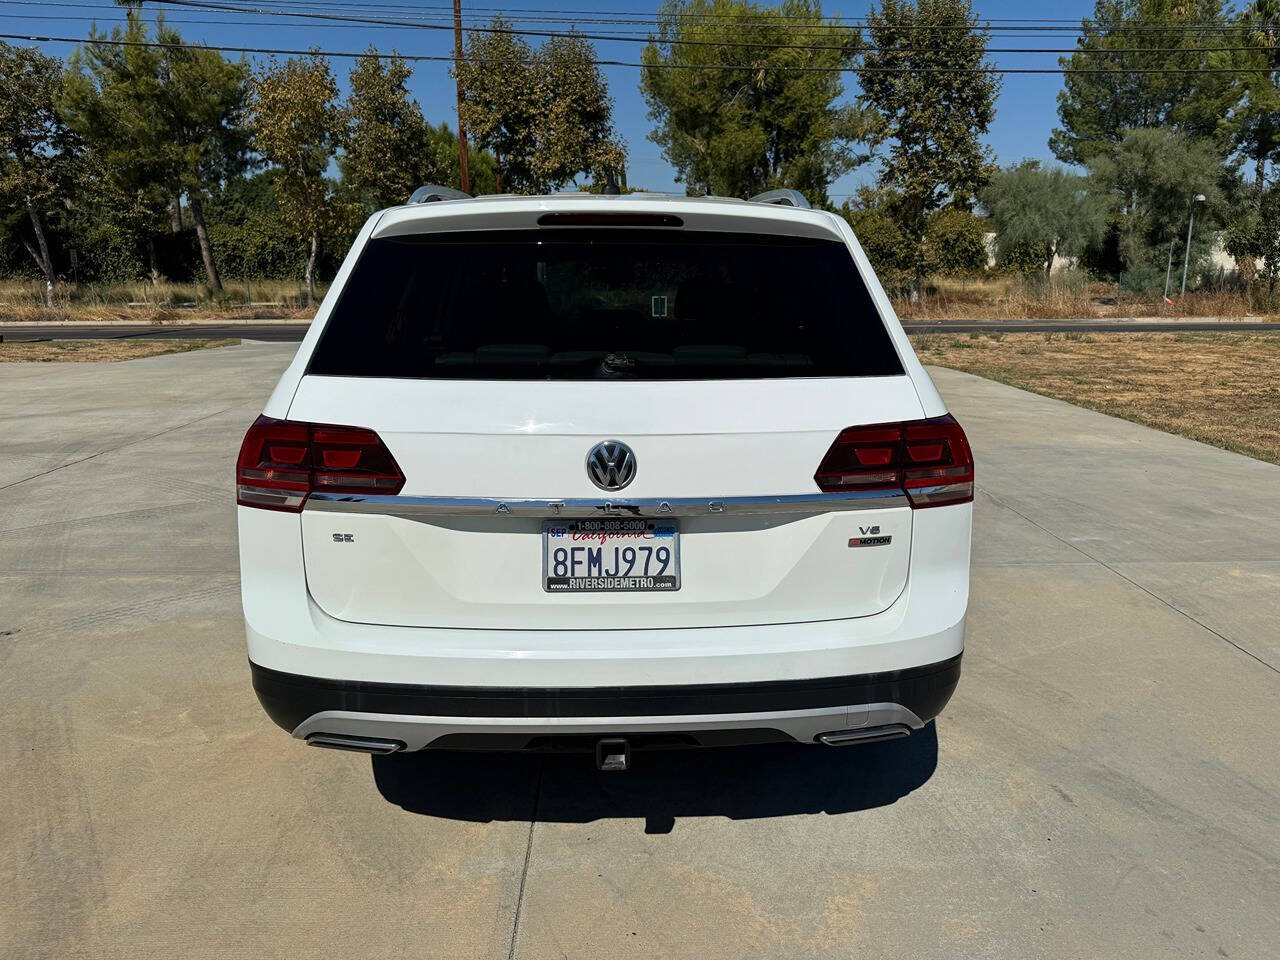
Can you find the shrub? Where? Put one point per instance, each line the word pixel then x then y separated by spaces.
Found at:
pixel 885 244
pixel 956 243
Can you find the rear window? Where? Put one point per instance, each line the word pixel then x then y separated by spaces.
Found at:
pixel 571 304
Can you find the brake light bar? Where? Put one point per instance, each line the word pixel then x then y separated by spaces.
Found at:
pixel 610 219
pixel 928 460
pixel 282 462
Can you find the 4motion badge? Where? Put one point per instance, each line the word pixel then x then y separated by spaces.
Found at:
pixel 870 537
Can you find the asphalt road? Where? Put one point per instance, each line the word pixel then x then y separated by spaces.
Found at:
pixel 270 332
pixel 279 332
pixel 1106 782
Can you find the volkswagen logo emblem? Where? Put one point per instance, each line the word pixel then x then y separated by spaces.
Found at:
pixel 611 465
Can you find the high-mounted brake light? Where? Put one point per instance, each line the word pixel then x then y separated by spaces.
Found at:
pixel 282 462
pixel 609 219
pixel 928 460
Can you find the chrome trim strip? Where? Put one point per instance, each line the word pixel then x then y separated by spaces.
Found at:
pixel 412 508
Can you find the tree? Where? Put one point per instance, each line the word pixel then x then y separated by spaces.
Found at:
pixel 1149 181
pixel 1046 213
pixel 387 143
pixel 297 126
pixel 891 252
pixel 1252 238
pixel 37 151
pixel 955 243
pixel 1253 123
pixel 111 101
pixel 482 165
pixel 923 76
pixel 1170 37
pixel 161 121
pixel 253 239
pixel 545 113
pixel 206 108
pixel 578 135
pixel 737 130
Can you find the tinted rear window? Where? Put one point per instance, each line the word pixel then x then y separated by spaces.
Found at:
pixel 563 304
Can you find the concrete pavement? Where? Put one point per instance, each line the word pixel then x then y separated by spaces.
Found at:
pixel 1106 782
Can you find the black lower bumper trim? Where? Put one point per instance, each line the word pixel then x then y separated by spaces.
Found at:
pixel 289 698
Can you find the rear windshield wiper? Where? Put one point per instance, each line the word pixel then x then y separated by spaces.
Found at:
pixel 617 366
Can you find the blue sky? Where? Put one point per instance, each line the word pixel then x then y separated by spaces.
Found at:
pixel 1026 110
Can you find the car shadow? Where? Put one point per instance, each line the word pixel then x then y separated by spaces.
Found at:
pixel 741 783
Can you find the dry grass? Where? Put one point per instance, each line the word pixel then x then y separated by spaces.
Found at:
pixel 99 351
pixel 154 303
pixel 1219 388
pixel 1070 296
pixel 157 316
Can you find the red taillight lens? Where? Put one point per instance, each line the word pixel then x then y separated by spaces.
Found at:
pixel 282 462
pixel 929 460
pixel 938 467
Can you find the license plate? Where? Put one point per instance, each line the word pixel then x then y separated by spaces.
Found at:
pixel 628 554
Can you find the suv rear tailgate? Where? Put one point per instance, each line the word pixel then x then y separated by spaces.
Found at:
pixel 699 440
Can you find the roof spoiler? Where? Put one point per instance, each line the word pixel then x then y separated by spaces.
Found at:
pixel 432 193
pixel 785 197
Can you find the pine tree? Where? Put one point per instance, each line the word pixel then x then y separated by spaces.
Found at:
pixel 924 76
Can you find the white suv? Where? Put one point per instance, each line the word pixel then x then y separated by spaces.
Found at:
pixel 607 472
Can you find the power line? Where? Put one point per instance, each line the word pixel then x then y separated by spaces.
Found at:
pixel 859 51
pixel 281 8
pixel 801 22
pixel 755 68
pixel 758 18
pixel 853 24
pixel 758 45
pixel 185 21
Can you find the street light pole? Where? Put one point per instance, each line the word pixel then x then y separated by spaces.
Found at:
pixel 1186 257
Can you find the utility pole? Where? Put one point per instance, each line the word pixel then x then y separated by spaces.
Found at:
pixel 457 72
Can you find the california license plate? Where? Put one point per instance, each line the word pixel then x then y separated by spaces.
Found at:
pixel 628 554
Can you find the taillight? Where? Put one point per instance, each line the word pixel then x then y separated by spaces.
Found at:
pixel 282 462
pixel 929 460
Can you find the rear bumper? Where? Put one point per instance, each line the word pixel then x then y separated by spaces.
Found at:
pixel 420 716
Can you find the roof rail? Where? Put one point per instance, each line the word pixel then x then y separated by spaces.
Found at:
pixel 432 193
pixel 784 196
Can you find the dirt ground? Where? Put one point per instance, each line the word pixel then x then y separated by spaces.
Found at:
pixel 1219 388
pixel 98 351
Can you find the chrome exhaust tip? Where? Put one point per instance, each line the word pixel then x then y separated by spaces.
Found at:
pixel 337 741
pixel 845 738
